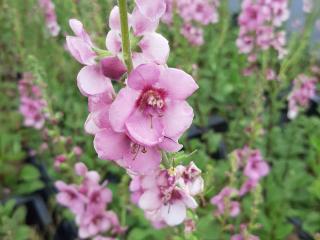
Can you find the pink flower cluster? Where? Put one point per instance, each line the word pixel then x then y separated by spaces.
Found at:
pixel 304 89
pixel 32 104
pixel 150 113
pixel 88 202
pixel 146 118
pixel 48 9
pixel 259 22
pixel 165 195
pixel 195 14
pixel 254 168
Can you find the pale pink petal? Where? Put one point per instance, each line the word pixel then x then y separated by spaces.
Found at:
pixel 155 47
pixel 114 19
pixel 145 130
pixel 113 42
pixel 189 201
pixel 144 161
pixel 143 76
pixel 80 169
pixel 174 214
pixel 177 118
pixel 90 125
pixel 152 9
pixel 98 101
pixel 170 145
pixel 91 81
pixel 150 200
pixel 122 107
pixel 141 24
pixel 178 84
pixel 81 50
pixel 111 145
pixel 79 31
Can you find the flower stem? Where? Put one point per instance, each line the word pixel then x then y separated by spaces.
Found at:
pixel 126 50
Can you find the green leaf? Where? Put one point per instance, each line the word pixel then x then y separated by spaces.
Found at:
pixel 29 172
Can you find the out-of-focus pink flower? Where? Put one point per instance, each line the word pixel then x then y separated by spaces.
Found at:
pixel 259 20
pixel 244 234
pixel 77 151
pixel 193 34
pixel 48 8
pixel 88 202
pixel 304 89
pixel 32 105
pixel 256 167
pixel 148 108
pixel 248 185
pixel 224 203
pixel 58 160
pixel 162 198
pixel 195 15
pixel 308 6
pixel 189 226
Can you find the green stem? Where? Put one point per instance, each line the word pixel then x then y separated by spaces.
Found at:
pixel 126 50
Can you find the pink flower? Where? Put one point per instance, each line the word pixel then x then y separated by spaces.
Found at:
pixel 190 178
pixel 304 89
pixel 32 105
pixel 193 34
pixel 224 204
pixel 248 185
pixel 259 20
pixel 256 167
pixel 154 47
pixel 88 202
pixel 151 9
pixel 162 198
pixel 148 108
pixel 307 6
pixel 50 16
pixel 69 197
pixel 58 160
pixel 195 15
pixel 91 79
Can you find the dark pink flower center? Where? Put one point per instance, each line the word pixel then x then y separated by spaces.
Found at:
pixel 152 98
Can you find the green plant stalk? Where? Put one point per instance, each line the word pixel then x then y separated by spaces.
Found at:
pixel 126 50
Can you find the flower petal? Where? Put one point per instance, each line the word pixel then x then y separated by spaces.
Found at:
pixel 145 130
pixel 114 19
pixel 111 145
pixel 174 214
pixel 155 47
pixel 141 24
pixel 149 200
pixel 144 161
pixel 113 42
pixel 177 118
pixel 152 9
pixel 79 31
pixel 91 81
pixel 178 84
pixel 81 50
pixel 143 76
pixel 122 107
pixel 170 145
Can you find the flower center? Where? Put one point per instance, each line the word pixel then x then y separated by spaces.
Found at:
pixel 152 99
